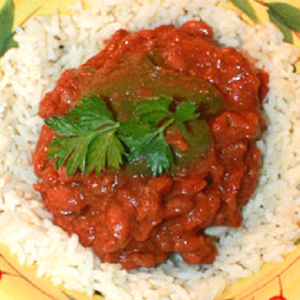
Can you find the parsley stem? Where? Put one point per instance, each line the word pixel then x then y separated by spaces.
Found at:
pixel 166 125
pixel 109 128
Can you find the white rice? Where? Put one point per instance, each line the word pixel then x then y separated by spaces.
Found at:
pixel 270 219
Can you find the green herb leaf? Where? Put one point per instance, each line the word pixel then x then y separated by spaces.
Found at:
pixel 65 126
pixel 89 139
pixel 153 105
pixel 6 24
pixel 134 128
pixel 136 135
pixel 79 153
pixel 137 144
pixel 153 110
pixel 86 138
pixel 91 113
pixel 288 13
pixel 74 150
pixel 145 137
pixel 246 7
pixel 288 35
pixel 105 148
pixel 61 148
pixel 159 155
pixel 152 147
pixel 186 111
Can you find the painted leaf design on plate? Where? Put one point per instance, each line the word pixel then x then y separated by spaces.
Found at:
pixel 287 18
pixel 6 23
pixel 287 33
pixel 246 7
pixel 297 242
pixel 67 295
pixel 289 14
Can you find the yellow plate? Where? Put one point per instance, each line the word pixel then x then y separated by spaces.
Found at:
pixel 273 282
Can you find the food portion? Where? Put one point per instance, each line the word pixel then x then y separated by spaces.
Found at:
pixel 149 142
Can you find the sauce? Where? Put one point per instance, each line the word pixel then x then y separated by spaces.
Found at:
pixel 128 216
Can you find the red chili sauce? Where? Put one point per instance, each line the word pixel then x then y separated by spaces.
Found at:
pixel 129 217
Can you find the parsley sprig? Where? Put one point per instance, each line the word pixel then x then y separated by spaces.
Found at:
pixel 145 136
pixel 89 138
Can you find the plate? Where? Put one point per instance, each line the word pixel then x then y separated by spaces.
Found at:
pixel 274 281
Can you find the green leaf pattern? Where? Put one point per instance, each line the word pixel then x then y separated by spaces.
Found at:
pixel 246 7
pixel 6 24
pixel 289 14
pixel 68 296
pixel 285 16
pixel 287 33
